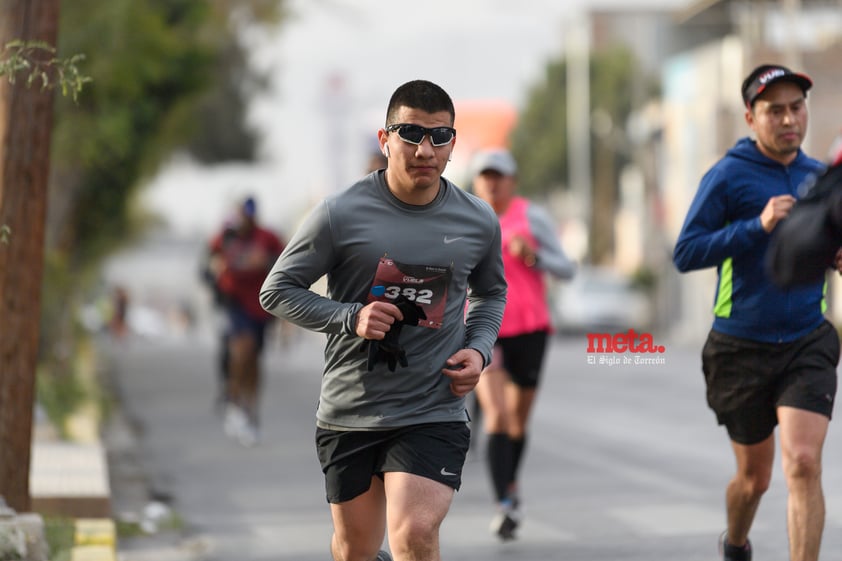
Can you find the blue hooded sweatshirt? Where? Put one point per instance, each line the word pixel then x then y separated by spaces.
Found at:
pixel 722 229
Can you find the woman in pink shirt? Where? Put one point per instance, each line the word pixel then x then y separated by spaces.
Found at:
pixel 508 385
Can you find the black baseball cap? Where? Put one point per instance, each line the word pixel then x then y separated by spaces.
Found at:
pixel 767 74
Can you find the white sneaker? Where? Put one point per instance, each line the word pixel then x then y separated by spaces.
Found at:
pixel 248 435
pixel 235 420
pixel 505 522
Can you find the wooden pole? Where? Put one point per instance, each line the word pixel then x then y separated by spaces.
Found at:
pixel 26 116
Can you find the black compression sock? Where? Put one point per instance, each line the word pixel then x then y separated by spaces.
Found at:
pixel 499 457
pixel 518 446
pixel 737 552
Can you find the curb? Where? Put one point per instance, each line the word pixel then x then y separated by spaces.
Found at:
pixel 69 476
pixel 95 539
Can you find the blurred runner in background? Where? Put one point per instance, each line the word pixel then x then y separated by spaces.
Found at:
pixel 508 386
pixel 239 257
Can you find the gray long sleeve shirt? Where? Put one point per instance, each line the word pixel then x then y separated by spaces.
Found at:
pixel 551 257
pixel 370 244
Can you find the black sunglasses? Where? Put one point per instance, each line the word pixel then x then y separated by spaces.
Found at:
pixel 414 134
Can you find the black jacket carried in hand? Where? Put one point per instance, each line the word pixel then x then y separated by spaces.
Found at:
pixel 804 245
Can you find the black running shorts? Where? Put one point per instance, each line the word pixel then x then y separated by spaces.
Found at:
pixel 522 356
pixel 349 459
pixel 748 380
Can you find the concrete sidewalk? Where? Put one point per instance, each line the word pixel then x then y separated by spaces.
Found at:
pixel 98 478
pixel 141 501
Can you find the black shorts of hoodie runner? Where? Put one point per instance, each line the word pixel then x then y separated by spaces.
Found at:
pixel 748 380
pixel 349 459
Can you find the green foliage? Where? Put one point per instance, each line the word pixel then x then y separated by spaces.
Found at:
pixel 128 529
pixel 173 522
pixel 60 534
pixel 539 141
pixel 145 61
pixel 65 368
pixel 68 385
pixel 156 68
pixel 37 60
pixel 58 296
pixel 220 113
pixel 61 393
pixel 645 279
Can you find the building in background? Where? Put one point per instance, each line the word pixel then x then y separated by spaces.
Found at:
pixel 480 124
pixel 701 54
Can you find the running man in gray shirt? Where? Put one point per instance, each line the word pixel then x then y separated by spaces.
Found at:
pixel 403 250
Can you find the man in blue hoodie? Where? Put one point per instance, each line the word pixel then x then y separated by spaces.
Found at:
pixel 770 358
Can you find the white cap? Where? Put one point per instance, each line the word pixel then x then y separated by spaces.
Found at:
pixel 498 160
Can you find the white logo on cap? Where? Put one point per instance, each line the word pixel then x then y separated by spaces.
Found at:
pixel 771 75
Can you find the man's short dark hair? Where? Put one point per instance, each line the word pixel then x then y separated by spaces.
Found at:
pixel 420 94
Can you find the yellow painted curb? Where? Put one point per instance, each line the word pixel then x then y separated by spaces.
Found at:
pixel 95 531
pixel 93 553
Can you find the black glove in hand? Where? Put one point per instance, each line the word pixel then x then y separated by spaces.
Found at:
pixel 389 349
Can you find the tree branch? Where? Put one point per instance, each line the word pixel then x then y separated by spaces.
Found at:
pixel 36 60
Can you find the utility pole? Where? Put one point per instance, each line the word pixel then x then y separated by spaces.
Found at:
pixel 792 50
pixel 792 55
pixel 26 116
pixel 577 51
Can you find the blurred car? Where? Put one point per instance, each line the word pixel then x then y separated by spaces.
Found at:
pixel 599 300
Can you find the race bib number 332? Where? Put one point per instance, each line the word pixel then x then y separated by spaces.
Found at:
pixel 425 285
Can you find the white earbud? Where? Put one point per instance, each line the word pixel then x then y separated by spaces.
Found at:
pixel 386 150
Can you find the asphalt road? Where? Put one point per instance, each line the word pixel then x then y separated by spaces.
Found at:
pixel 625 463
